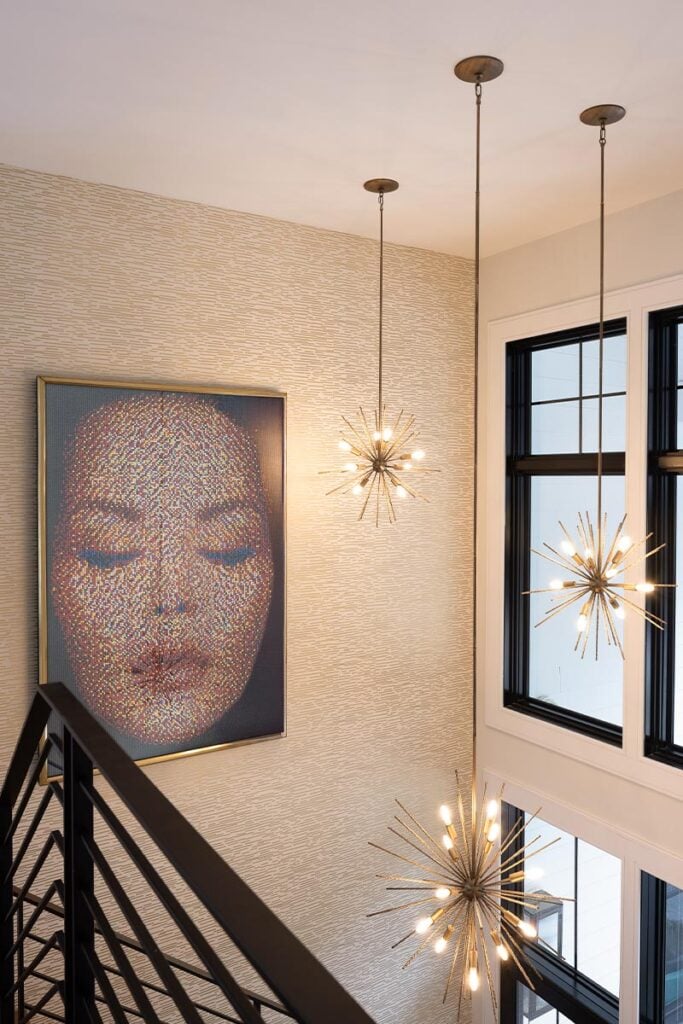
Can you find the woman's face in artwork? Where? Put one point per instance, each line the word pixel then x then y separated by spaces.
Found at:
pixel 162 570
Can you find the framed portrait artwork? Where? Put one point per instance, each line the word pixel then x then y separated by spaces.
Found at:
pixel 162 561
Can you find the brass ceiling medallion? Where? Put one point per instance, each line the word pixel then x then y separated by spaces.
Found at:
pixel 383 456
pixel 470 884
pixel 592 564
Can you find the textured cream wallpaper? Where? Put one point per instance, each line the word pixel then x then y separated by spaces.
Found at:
pixel 102 282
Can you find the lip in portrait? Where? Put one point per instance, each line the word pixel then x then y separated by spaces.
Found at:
pixel 162 583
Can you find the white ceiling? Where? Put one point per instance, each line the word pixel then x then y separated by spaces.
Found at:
pixel 284 107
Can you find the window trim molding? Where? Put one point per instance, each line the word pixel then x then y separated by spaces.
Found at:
pixel 635 304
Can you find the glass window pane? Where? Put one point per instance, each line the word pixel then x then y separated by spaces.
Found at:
pixel 555 428
pixel 678 674
pixel 531 1008
pixel 557 674
pixel 613 424
pixel 673 955
pixel 614 369
pixel 555 865
pixel 598 915
pixel 584 933
pixel 680 355
pixel 555 373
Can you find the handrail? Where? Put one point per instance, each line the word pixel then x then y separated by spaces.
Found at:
pixel 304 986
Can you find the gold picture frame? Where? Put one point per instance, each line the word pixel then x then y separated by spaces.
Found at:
pixel 258 428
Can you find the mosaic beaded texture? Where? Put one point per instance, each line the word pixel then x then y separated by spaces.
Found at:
pixel 163 519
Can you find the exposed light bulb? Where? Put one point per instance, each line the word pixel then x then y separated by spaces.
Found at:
pixel 645 588
pixel 440 945
pixel 442 893
pixel 493 832
pixel 624 544
pixel 401 491
pixel 581 623
pixel 447 842
pixel 423 925
pixel 356 489
pixel 555 584
pixel 492 809
pixel 620 612
pixel 610 573
pixel 376 436
pixel 387 434
pixel 418 455
pixel 351 467
pixel 345 446
pixel 588 553
pixel 473 979
pixel 502 952
pixel 445 814
pixel 568 548
pixel 527 929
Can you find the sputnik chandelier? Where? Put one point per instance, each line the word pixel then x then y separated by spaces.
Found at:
pixel 383 457
pixel 593 565
pixel 470 887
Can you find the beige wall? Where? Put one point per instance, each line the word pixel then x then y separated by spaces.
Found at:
pixel 643 244
pixel 101 282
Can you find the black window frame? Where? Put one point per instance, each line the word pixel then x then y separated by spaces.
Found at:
pixel 521 467
pixel 560 984
pixel 665 464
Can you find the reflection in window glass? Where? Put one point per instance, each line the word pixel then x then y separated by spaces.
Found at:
pixel 530 1007
pixel 673 956
pixel 586 933
pixel 557 674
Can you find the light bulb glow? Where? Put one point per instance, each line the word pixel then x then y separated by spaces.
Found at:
pixel 527 929
pixel 619 612
pixel 492 809
pixel 387 434
pixel 376 436
pixel 581 623
pixel 493 832
pixel 645 588
pixel 568 548
pixel 445 814
pixel 442 893
pixel 473 979
pixel 401 491
pixel 502 952
pixel 447 842
pixel 440 945
pixel 344 446
pixel 624 544
pixel 423 925
pixel 555 584
pixel 588 553
pixel 356 489
pixel 418 455
pixel 351 467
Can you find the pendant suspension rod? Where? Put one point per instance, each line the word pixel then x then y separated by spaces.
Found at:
pixel 477 207
pixel 601 329
pixel 380 410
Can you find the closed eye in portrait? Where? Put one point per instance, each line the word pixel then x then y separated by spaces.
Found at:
pixel 228 556
pixel 99 559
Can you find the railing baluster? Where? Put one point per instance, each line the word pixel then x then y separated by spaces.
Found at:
pixel 79 984
pixel 21 1002
pixel 6 919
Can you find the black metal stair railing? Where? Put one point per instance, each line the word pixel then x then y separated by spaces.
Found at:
pixel 61 956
